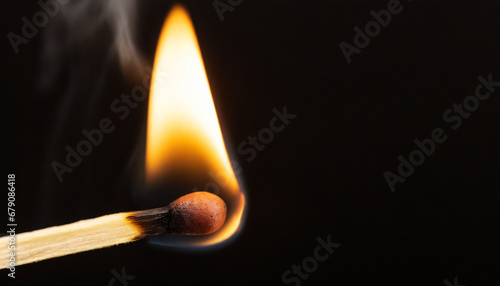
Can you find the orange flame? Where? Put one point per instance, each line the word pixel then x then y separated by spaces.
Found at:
pixel 184 145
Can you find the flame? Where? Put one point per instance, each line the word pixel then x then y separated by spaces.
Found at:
pixel 185 147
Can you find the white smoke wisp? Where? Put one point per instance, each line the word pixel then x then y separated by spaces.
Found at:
pixel 80 26
pixel 87 48
pixel 122 19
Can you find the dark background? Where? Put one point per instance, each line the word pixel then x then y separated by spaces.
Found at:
pixel 323 175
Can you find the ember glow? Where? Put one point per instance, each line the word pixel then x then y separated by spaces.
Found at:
pixel 185 148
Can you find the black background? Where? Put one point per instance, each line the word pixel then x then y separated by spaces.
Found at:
pixel 323 175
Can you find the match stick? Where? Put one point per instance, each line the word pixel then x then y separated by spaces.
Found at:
pixel 198 213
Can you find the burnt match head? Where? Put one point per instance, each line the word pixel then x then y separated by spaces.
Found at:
pixel 196 213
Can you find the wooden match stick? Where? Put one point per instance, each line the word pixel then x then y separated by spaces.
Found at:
pixel 197 213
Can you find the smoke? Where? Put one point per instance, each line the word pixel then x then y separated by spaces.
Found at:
pixel 88 56
pixel 83 26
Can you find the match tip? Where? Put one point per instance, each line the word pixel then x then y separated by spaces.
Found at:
pixel 197 213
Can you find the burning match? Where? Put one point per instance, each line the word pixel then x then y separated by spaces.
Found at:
pixel 184 140
pixel 197 213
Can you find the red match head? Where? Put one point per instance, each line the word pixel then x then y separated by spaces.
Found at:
pixel 196 214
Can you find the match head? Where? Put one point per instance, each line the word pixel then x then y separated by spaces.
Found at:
pixel 197 213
